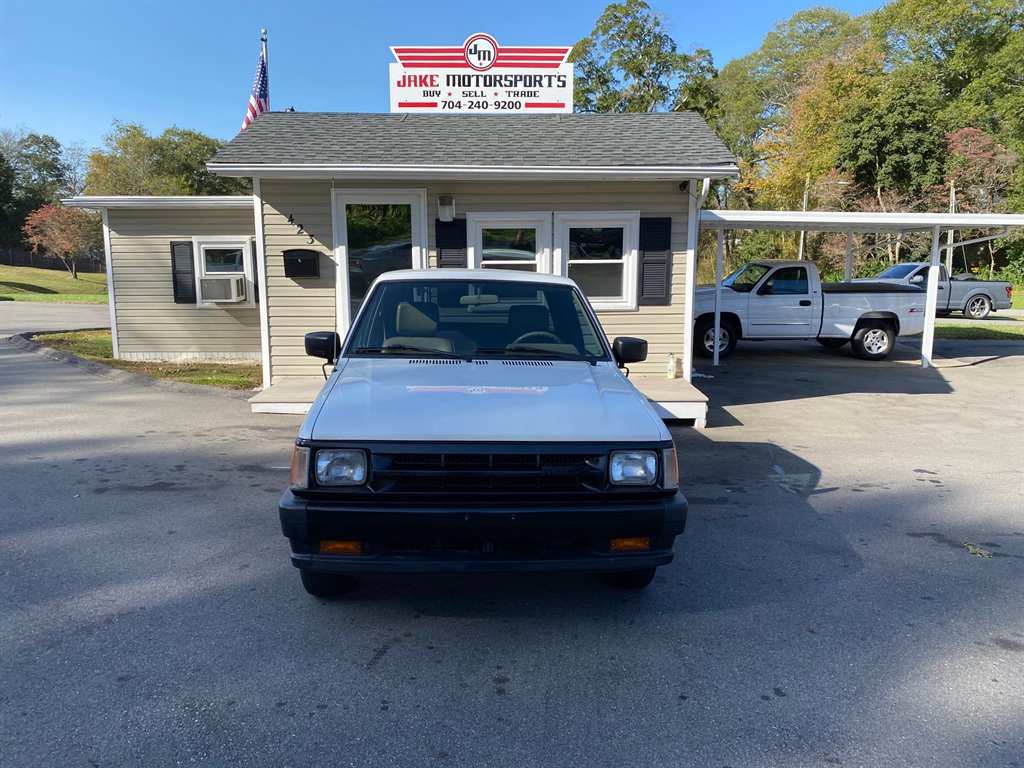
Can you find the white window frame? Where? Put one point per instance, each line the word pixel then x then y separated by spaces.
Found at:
pixel 223 241
pixel 540 221
pixel 629 221
pixel 416 199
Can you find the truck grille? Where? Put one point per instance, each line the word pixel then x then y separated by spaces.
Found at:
pixel 487 472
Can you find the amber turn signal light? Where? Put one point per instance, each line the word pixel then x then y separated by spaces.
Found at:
pixel 331 547
pixel 630 545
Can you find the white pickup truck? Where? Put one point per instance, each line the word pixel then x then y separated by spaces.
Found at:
pixel 478 421
pixel 775 299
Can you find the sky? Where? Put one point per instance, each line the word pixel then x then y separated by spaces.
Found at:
pixel 70 68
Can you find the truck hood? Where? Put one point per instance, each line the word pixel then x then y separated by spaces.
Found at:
pixel 440 399
pixel 705 294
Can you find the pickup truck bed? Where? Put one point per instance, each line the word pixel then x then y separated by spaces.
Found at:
pixel 869 288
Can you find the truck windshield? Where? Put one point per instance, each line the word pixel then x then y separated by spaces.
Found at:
pixel 476 318
pixel 898 271
pixel 745 278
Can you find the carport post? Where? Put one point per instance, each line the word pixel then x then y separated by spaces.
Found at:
pixel 848 269
pixel 931 303
pixel 718 295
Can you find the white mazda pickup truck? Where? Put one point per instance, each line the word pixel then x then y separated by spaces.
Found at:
pixel 479 421
pixel 775 299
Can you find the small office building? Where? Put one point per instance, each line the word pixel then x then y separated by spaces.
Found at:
pixel 610 200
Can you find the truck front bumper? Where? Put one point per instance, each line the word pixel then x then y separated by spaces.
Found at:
pixel 482 539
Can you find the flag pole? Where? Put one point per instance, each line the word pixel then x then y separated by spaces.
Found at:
pixel 263 39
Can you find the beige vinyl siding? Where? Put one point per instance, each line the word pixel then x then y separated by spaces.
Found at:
pixel 149 324
pixel 298 306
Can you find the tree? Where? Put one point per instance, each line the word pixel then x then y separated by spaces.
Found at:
pixel 174 163
pixel 953 39
pixel 70 234
pixel 981 171
pixel 38 174
pixel 8 229
pixel 756 93
pixel 629 63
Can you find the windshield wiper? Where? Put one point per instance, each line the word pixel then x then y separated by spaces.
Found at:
pixel 558 354
pixel 408 348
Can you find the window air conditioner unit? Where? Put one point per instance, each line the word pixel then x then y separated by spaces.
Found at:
pixel 223 290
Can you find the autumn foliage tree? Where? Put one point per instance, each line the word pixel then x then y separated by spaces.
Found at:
pixel 67 233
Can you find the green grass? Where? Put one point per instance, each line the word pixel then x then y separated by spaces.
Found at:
pixel 34 284
pixel 1002 331
pixel 1017 302
pixel 98 347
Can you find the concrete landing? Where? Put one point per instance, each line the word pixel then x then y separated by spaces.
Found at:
pixel 290 396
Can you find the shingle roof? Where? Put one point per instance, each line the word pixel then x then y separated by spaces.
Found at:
pixel 633 140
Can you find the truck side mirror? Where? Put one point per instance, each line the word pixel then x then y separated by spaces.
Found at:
pixel 628 349
pixel 325 344
pixel 917 279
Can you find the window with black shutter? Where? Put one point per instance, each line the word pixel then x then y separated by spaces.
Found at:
pixel 655 284
pixel 451 243
pixel 183 272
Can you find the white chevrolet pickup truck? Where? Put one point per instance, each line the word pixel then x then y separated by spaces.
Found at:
pixel 775 299
pixel 478 421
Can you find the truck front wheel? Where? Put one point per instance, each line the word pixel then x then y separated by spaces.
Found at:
pixel 977 307
pixel 873 340
pixel 704 333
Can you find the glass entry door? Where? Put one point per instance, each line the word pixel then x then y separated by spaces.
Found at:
pixel 379 241
pixel 375 232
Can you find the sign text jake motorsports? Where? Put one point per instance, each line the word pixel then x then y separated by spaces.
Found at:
pixel 480 76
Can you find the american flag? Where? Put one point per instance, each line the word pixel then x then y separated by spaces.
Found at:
pixel 259 101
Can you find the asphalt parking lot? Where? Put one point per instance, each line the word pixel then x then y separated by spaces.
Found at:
pixel 848 591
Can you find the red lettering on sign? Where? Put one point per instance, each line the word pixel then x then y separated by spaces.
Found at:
pixel 417 81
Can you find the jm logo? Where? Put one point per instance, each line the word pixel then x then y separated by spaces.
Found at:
pixel 481 51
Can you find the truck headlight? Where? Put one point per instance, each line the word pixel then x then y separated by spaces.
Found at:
pixel 341 467
pixel 633 468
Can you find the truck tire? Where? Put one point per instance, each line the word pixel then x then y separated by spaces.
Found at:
pixel 873 340
pixel 321 584
pixel 977 307
pixel 704 333
pixel 832 343
pixel 630 579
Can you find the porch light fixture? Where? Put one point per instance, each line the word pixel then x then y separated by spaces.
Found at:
pixel 446 208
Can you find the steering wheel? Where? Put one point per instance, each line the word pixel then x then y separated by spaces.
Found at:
pixel 541 336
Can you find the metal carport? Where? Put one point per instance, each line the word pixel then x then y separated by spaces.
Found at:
pixel 835 221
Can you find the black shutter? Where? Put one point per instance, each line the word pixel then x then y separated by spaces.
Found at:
pixel 655 283
pixel 255 271
pixel 451 243
pixel 183 272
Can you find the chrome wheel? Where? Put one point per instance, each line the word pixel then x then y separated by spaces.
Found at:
pixel 704 336
pixel 709 339
pixel 978 308
pixel 876 341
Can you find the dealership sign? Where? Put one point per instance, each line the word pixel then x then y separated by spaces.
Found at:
pixel 481 77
